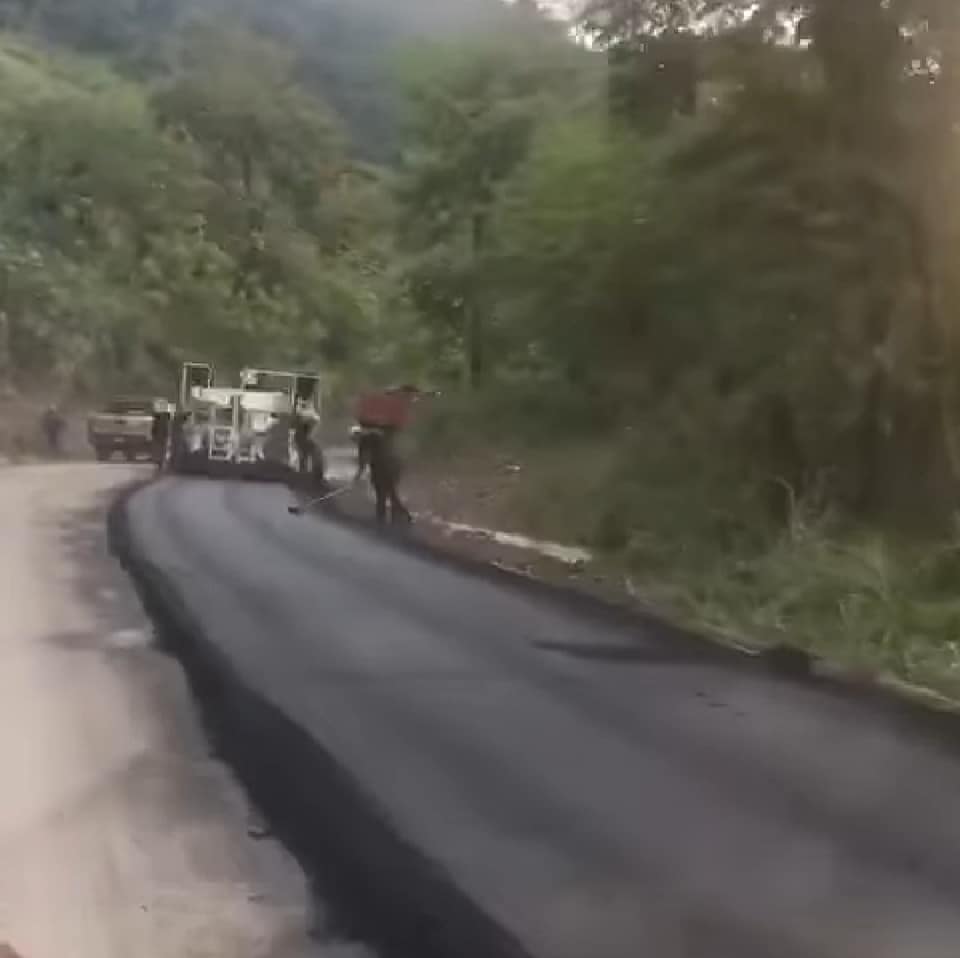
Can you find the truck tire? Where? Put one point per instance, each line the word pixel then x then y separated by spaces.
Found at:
pixel 102 453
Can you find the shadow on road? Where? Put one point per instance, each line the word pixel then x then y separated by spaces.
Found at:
pixel 620 654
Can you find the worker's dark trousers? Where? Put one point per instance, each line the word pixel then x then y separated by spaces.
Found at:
pixel 160 451
pixel 305 455
pixel 385 490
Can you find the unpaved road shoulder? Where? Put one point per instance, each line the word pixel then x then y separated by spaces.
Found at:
pixel 119 835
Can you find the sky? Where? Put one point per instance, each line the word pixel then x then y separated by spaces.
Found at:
pixel 561 8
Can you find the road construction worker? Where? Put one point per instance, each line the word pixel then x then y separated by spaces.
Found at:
pixel 160 434
pixel 358 436
pixel 376 451
pixel 177 423
pixel 303 440
pixel 318 463
pixel 53 426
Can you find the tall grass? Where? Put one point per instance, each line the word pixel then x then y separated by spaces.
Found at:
pixel 682 525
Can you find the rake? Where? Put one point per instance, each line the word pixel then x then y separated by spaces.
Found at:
pixel 298 509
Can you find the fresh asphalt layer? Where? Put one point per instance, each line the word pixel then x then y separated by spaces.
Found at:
pixel 563 784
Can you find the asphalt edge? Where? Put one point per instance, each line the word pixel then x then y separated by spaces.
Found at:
pixel 914 708
pixel 377 888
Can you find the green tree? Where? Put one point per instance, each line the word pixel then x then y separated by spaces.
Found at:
pixel 236 95
pixel 289 206
pixel 471 115
pixel 90 191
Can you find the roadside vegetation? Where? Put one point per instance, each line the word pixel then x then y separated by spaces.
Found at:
pixel 689 265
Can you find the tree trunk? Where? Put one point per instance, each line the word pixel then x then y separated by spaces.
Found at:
pixel 869 440
pixel 473 332
pixel 913 485
pixel 246 173
pixel 785 458
pixel 939 326
pixel 5 359
pixel 938 481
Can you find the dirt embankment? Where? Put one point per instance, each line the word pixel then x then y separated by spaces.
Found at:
pixel 466 506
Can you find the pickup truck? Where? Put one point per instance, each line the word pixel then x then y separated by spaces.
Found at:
pixel 124 425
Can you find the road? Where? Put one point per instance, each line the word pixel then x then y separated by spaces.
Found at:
pixel 598 791
pixel 119 835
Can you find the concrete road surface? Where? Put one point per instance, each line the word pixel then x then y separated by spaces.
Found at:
pixel 119 836
pixel 599 793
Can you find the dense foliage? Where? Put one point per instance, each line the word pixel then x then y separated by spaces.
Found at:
pixel 754 223
pixel 188 191
pixel 132 232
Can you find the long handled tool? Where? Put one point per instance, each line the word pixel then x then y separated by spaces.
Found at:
pixel 298 509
